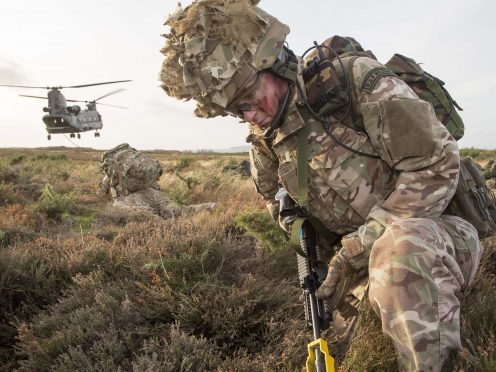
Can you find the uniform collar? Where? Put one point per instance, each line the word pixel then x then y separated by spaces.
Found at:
pixel 292 121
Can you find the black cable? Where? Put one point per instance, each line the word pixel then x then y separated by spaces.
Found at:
pixel 327 123
pixel 328 131
pixel 348 87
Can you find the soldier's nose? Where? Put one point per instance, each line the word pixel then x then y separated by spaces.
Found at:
pixel 249 115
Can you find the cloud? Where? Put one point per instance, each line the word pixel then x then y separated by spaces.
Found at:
pixel 13 73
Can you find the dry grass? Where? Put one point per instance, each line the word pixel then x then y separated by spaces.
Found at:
pixel 96 290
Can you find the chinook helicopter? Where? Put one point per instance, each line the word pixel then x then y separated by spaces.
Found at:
pixel 61 118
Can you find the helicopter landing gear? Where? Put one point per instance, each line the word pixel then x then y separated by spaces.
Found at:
pixel 78 135
pixel 49 137
pixel 97 134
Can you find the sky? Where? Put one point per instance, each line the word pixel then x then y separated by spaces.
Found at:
pixel 74 42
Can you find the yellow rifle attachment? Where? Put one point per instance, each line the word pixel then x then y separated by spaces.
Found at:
pixel 321 344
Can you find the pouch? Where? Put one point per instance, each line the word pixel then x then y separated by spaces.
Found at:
pixel 473 200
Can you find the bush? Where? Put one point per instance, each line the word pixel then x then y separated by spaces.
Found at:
pixel 262 227
pixel 9 194
pixel 55 206
pixel 478 154
pixel 203 292
pixel 184 162
pixel 17 223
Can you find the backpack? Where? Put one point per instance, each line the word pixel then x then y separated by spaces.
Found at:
pixel 431 89
pixel 130 170
pixel 325 82
pixel 330 90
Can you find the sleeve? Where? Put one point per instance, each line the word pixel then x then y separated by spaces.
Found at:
pixel 407 136
pixel 264 170
pixel 104 187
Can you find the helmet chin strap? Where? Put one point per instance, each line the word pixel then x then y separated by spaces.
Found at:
pixel 276 123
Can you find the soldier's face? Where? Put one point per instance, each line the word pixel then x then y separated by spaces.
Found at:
pixel 260 98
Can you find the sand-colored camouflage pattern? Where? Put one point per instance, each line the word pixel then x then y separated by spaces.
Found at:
pixel 416 269
pixel 131 179
pixel 153 201
pixel 412 180
pixel 127 170
pixel 150 201
pixel 489 171
pixel 214 47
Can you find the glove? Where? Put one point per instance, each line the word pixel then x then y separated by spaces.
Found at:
pixel 346 267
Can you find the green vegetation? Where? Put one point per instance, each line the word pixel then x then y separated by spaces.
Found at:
pixel 55 205
pixel 86 289
pixel 184 162
pixel 478 154
pixel 260 225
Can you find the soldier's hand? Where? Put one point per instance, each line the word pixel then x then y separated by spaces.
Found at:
pixel 348 266
pixel 337 282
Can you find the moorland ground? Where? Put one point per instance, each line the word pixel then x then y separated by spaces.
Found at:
pixel 85 288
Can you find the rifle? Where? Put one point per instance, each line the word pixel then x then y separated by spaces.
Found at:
pixel 311 272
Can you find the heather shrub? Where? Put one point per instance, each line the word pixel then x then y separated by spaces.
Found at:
pixel 9 194
pixel 17 223
pixel 100 289
pixel 161 273
pixel 93 326
pixel 178 352
pixel 478 320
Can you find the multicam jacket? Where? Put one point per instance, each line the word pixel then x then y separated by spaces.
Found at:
pixel 414 175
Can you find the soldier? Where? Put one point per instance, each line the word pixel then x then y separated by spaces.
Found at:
pixel 379 168
pixel 132 180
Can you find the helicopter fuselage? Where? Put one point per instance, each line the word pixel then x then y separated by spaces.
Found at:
pixel 69 119
pixel 68 122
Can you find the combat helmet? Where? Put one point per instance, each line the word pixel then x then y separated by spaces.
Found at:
pixel 216 46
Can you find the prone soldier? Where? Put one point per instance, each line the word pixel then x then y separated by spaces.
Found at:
pixel 131 179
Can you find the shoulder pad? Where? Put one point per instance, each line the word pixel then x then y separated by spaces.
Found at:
pixel 367 72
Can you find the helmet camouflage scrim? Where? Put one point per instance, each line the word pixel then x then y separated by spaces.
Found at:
pixel 214 47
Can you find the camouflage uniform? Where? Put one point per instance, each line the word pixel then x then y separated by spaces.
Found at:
pixel 132 181
pixel 419 259
pixel 388 206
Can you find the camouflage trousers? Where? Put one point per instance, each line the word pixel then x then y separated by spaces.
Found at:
pixel 416 269
pixel 151 200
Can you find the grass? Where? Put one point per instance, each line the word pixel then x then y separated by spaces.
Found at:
pixel 82 288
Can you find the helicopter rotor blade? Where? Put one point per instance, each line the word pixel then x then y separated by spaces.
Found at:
pixel 24 95
pixel 106 104
pixel 109 94
pixel 90 85
pixel 98 103
pixel 22 86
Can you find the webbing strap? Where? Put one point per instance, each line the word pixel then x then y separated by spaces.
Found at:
pixel 302 171
pixel 453 121
pixel 323 230
pixel 294 242
pixel 302 168
pixel 435 88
